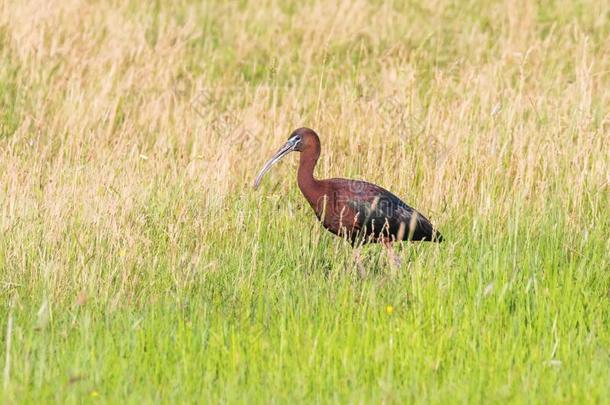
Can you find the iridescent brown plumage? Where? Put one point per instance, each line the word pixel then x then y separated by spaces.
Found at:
pixel 359 211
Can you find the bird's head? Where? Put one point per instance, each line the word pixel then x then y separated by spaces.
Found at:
pixel 304 140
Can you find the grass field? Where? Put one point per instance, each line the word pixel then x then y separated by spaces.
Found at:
pixel 137 264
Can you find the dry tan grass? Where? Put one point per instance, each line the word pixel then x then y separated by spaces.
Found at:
pixel 478 116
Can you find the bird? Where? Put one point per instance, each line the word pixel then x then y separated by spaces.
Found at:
pixel 355 210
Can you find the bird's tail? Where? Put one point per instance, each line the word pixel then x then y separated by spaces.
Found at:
pixel 437 237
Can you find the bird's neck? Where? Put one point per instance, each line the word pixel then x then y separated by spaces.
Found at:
pixel 307 183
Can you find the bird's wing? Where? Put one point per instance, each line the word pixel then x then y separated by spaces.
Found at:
pixel 382 212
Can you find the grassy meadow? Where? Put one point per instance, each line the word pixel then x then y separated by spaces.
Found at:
pixel 138 265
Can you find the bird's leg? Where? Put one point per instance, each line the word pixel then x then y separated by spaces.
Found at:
pixel 394 259
pixel 358 261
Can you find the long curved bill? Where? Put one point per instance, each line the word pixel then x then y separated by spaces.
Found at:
pixel 283 151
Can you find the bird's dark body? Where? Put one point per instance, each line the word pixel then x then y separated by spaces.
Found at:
pixel 363 212
pixel 356 210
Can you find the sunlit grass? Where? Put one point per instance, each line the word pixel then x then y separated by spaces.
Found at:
pixel 137 263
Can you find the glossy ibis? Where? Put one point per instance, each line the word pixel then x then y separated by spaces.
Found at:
pixel 359 211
